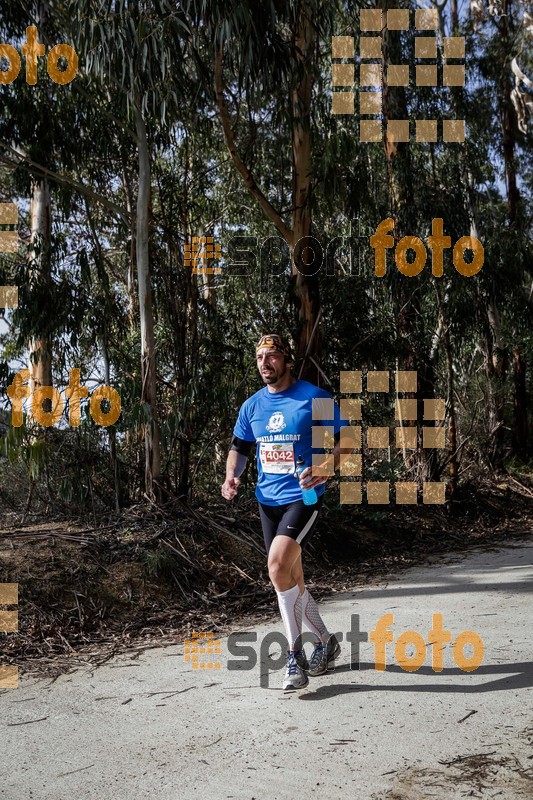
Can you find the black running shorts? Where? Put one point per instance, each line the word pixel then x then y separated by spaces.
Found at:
pixel 293 519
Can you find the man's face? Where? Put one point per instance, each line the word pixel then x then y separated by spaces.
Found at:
pixel 271 364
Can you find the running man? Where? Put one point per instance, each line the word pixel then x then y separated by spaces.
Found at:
pixel 278 419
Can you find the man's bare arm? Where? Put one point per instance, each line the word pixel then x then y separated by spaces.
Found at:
pixel 235 466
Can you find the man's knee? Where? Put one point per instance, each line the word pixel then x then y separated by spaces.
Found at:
pixel 297 571
pixel 277 570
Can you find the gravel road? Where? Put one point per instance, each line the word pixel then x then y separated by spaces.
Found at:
pixel 148 725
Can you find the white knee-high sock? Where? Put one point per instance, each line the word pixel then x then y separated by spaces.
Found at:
pixel 311 617
pixel 290 606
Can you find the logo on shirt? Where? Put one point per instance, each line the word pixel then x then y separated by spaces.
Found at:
pixel 276 423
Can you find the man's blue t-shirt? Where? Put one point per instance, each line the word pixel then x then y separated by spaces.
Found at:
pixel 281 423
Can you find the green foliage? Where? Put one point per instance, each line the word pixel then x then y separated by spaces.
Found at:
pixel 160 57
pixel 21 448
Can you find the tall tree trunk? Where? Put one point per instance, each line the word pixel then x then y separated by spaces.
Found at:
pixel 495 352
pixel 304 285
pixel 454 18
pixel 452 426
pixel 40 351
pixel 148 360
pixel 133 436
pixel 130 277
pixel 496 370
pixel 409 319
pixel 40 347
pixel 521 425
pixel 111 430
pixel 186 342
pixel 508 114
pixel 492 346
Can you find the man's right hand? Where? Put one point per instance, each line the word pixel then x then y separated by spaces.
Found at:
pixel 229 488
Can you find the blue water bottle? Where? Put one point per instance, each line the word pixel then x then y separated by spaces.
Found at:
pixel 309 496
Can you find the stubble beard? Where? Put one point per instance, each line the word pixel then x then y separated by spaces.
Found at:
pixel 271 380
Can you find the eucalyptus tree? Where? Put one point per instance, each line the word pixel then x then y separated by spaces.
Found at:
pixel 27 137
pixel 47 144
pixel 503 64
pixel 265 57
pixel 135 50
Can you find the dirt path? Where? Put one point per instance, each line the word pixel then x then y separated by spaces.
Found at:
pixel 151 726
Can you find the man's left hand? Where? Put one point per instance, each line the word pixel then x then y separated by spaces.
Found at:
pixel 308 481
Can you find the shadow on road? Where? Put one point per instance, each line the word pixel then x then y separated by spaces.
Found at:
pixel 514 676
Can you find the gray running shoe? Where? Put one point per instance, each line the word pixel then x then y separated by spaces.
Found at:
pixel 295 676
pixel 301 658
pixel 322 656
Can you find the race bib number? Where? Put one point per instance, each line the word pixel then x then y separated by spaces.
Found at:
pixel 277 457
